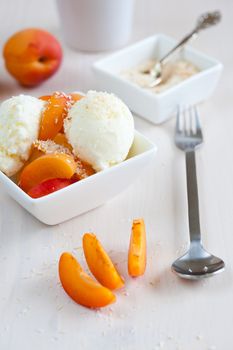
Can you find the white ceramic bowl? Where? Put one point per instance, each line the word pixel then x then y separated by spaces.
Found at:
pixel 86 194
pixel 157 107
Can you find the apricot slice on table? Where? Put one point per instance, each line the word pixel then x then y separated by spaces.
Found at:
pixel 49 186
pixel 49 166
pixel 137 249
pixel 81 287
pixel 100 263
pixel 53 115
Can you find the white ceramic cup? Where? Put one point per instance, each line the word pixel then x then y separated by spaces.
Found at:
pixel 96 25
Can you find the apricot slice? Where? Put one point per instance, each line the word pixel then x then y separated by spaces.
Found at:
pixel 137 249
pixel 49 166
pixel 100 263
pixel 60 139
pixel 49 186
pixel 54 115
pixel 45 97
pixel 81 287
pixel 83 170
pixel 36 153
pixel 76 97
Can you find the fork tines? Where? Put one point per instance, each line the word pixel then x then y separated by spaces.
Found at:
pixel 187 121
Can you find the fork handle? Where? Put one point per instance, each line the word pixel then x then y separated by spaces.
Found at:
pixel 193 206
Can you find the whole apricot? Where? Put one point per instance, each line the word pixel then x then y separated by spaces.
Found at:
pixel 32 56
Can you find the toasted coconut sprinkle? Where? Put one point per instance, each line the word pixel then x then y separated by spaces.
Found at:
pixel 81 171
pixel 50 147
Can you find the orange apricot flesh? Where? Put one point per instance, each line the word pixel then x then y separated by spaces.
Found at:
pixel 83 170
pixel 54 115
pixel 36 153
pixel 137 249
pixel 100 263
pixel 45 97
pixel 49 166
pixel 80 286
pixel 61 139
pixel 76 97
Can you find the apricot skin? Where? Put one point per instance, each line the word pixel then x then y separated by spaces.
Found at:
pixel 53 115
pixel 137 249
pixel 100 263
pixel 80 286
pixel 32 56
pixel 49 166
pixel 49 186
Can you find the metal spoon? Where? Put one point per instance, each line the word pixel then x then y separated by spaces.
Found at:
pixel 197 262
pixel 204 21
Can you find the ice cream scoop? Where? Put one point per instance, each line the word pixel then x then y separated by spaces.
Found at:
pixel 100 128
pixel 19 127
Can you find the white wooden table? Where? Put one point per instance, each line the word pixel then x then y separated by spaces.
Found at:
pixel 159 310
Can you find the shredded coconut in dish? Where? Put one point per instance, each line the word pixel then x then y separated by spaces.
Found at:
pixel 173 73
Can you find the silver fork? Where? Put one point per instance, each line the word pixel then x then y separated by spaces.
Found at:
pixel 196 262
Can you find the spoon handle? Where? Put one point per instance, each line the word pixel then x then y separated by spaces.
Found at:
pixel 193 206
pixel 181 43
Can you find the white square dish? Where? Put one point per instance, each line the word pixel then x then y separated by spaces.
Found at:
pixel 86 194
pixel 158 107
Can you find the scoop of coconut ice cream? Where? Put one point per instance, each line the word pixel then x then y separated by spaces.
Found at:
pixel 100 128
pixel 19 127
